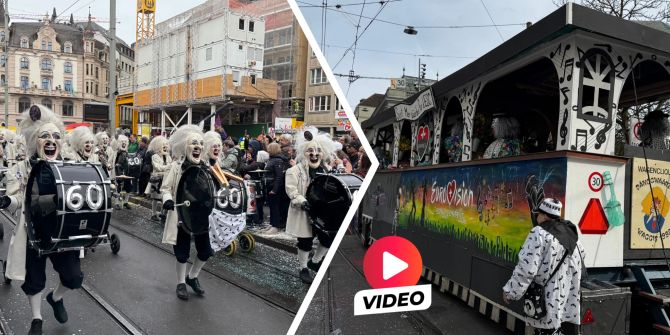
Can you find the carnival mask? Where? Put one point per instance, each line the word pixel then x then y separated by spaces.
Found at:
pixel 313 154
pixel 88 149
pixel 48 142
pixel 2 138
pixel 214 151
pixel 123 144
pixel 194 146
pixel 164 149
pixel 105 140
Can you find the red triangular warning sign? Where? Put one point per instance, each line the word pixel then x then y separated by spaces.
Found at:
pixel 593 220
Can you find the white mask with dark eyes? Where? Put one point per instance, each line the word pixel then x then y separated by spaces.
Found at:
pixel 105 141
pixel 48 142
pixel 87 150
pixel 313 154
pixel 194 146
pixel 214 151
pixel 123 145
pixel 164 150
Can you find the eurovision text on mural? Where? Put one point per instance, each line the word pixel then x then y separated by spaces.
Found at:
pixel 485 207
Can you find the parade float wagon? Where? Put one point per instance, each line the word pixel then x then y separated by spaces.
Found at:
pixel 567 79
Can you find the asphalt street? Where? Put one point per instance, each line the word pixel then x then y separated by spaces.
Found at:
pixel 134 291
pixel 332 311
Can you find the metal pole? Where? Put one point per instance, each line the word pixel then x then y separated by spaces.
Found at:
pixel 6 54
pixel 112 68
pixel 419 76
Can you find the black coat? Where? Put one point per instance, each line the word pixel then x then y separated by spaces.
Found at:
pixel 274 178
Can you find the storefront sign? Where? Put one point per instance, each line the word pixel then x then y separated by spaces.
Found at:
pixel 340 114
pixel 283 123
pixel 648 218
pixel 413 111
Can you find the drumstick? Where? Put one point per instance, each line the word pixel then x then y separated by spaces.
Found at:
pixel 233 177
pixel 185 203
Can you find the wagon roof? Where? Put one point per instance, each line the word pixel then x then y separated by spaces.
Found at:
pixel 564 20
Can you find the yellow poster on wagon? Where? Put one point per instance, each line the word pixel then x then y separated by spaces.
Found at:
pixel 649 205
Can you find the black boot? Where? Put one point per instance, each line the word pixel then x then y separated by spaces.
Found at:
pixel 195 285
pixel 59 308
pixel 314 266
pixel 305 276
pixel 182 293
pixel 35 327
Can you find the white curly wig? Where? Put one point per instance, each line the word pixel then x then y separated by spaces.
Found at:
pixel 33 119
pixel 116 144
pixel 323 140
pixel 100 136
pixel 81 135
pixel 179 138
pixel 157 143
pixel 211 138
pixel 9 135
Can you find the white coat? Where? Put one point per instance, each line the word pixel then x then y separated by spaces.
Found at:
pixel 17 178
pixel 168 192
pixel 159 168
pixel 297 180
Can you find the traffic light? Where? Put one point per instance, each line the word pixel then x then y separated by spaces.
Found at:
pixel 423 71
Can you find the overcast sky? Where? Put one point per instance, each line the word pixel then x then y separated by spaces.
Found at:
pixel 125 11
pixel 449 49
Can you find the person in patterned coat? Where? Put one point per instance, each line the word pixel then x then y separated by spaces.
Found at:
pixel 540 254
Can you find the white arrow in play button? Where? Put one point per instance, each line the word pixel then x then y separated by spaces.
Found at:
pixel 392 265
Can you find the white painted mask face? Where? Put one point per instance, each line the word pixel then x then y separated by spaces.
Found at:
pixel 313 154
pixel 48 142
pixel 214 151
pixel 194 146
pixel 164 149
pixel 105 141
pixel 2 138
pixel 123 145
pixel 87 150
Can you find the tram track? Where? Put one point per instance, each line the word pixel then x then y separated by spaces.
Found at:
pixel 216 274
pixel 124 323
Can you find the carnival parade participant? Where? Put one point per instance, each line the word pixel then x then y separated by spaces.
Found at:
pixel 160 164
pixel 655 130
pixel 43 131
pixel 121 169
pixel 82 146
pixel 310 161
pixel 506 130
pixel 105 151
pixel 7 149
pixel 187 148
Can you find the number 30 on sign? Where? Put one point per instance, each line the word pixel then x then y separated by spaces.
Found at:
pixel 596 182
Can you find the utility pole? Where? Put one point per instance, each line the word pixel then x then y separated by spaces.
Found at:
pixel 5 53
pixel 112 68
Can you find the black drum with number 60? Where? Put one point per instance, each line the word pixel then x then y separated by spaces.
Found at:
pixel 67 206
pixel 195 199
pixel 329 197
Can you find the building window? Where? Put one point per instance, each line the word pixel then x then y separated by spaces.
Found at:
pixel 240 47
pixel 241 25
pixel 24 63
pixel 46 103
pixel 2 36
pixel 251 25
pixel 24 82
pixel 68 108
pixel 208 54
pixel 47 65
pixel 253 79
pixel 318 76
pixel 96 89
pixel 49 46
pixel 68 67
pixel 236 77
pixel 88 90
pixel 3 60
pixel 46 83
pixel 24 104
pixel 68 85
pixel 44 45
pixel 68 47
pixel 96 72
pixel 24 42
pixel 2 80
pixel 319 103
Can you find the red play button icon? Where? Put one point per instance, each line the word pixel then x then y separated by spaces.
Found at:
pixel 392 261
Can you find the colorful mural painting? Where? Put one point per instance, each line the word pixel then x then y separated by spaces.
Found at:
pixel 648 212
pixel 488 205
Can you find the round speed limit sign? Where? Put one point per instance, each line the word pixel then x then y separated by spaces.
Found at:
pixel 596 182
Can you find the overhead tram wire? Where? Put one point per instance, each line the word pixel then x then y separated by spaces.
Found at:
pixel 415 26
pixel 70 6
pixel 360 35
pixel 401 53
pixel 491 17
pixel 353 58
pixel 350 4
